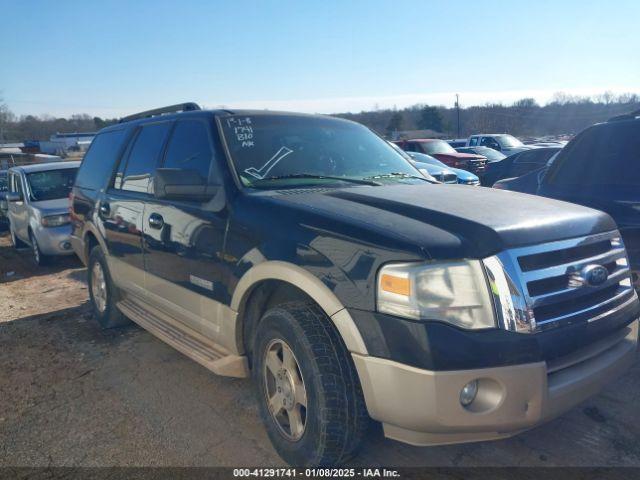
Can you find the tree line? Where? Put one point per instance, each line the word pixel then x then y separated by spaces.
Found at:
pixel 563 115
pixel 31 127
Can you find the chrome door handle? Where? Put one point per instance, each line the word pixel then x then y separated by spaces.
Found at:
pixel 105 209
pixel 156 221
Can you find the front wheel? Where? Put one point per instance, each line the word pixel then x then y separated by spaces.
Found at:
pixel 309 395
pixel 103 293
pixel 38 257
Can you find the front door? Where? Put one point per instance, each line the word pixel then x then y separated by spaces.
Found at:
pixel 184 240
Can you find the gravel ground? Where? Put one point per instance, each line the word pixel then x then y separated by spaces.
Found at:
pixel 74 395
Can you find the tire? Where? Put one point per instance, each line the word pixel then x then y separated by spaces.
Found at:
pixel 104 295
pixel 39 258
pixel 335 417
pixel 15 241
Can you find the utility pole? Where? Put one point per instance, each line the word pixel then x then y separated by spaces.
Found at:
pixel 458 112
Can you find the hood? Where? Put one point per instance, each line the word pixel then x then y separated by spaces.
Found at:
pixel 514 150
pixel 465 175
pixel 459 156
pixel 52 207
pixel 452 221
pixel 434 169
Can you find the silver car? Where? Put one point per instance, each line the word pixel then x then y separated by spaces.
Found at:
pixel 38 208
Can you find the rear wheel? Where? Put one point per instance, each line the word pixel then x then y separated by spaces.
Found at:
pixel 308 391
pixel 103 293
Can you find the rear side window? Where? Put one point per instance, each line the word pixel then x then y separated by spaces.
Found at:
pixel 190 148
pixel 143 158
pixel 98 163
pixel 604 155
pixel 473 142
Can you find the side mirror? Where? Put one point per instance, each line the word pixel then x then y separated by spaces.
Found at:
pixel 13 197
pixel 182 184
pixel 496 146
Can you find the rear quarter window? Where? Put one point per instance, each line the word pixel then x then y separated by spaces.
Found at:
pixel 99 162
pixel 606 154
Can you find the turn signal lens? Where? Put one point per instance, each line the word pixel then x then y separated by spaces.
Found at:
pixel 397 285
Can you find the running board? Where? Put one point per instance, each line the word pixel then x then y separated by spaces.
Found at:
pixel 184 339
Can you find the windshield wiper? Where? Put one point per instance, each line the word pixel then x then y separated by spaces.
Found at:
pixel 399 175
pixel 322 177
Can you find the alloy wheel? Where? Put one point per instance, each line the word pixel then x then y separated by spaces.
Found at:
pixel 285 391
pixel 35 248
pixel 98 287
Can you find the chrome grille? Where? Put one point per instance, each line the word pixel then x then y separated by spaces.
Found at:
pixel 546 286
pixel 476 166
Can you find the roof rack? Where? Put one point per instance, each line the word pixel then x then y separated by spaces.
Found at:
pixel 625 116
pixel 180 107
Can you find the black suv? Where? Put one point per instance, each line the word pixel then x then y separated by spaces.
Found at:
pixel 599 168
pixel 305 252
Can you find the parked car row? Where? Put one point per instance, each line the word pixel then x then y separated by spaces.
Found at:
pixel 444 152
pixel 307 253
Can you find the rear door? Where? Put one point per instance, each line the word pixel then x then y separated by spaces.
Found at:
pixel 184 240
pixel 122 207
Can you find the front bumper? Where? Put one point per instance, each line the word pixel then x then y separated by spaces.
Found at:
pixel 422 407
pixel 54 240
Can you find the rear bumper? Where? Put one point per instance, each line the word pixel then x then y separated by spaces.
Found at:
pixel 422 407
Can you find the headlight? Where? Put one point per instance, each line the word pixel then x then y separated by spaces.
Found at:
pixel 55 220
pixel 455 292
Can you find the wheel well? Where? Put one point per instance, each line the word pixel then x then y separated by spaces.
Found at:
pixel 90 242
pixel 263 296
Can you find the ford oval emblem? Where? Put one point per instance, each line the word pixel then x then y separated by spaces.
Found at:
pixel 594 275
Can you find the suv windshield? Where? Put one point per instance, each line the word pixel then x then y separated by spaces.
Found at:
pixel 437 146
pixel 272 151
pixel 51 184
pixel 508 141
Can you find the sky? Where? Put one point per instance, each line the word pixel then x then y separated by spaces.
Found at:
pixel 110 57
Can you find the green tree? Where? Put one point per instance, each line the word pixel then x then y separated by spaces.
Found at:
pixel 430 119
pixel 395 123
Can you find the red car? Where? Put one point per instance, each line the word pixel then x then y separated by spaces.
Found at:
pixel 446 154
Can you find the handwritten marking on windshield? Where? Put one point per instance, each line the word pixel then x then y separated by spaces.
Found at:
pixel 263 171
pixel 243 130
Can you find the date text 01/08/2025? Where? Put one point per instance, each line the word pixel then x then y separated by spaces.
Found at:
pixel 315 472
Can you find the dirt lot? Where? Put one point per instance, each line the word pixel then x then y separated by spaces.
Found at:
pixel 73 395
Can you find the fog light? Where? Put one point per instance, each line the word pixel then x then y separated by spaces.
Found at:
pixel 468 393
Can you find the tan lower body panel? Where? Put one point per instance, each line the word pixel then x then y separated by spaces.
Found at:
pixel 423 407
pixel 188 341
